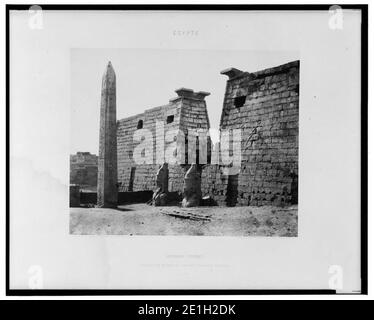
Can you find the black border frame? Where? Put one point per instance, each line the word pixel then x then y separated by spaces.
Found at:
pixel 269 7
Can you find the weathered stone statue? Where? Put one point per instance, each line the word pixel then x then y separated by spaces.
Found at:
pixel 162 181
pixel 107 193
pixel 192 187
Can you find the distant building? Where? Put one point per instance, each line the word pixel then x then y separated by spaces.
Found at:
pixel 83 170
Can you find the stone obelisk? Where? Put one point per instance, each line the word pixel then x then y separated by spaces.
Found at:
pixel 107 193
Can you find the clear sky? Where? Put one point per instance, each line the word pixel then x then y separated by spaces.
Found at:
pixel 147 78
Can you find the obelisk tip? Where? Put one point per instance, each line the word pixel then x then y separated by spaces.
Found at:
pixel 109 71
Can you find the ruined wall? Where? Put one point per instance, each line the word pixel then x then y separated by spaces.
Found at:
pixel 83 170
pixel 132 176
pixel 187 111
pixel 265 106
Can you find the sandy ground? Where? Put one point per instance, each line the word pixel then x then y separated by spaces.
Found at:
pixel 142 219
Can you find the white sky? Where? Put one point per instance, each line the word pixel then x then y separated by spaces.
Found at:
pixel 147 78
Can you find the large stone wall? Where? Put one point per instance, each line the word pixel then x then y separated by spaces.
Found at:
pixel 188 111
pixel 269 122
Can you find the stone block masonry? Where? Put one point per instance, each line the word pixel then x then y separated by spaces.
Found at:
pixel 185 112
pixel 265 106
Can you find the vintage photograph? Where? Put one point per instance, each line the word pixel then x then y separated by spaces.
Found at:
pixel 186 149
pixel 184 167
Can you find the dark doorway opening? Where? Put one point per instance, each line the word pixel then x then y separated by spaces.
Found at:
pixel 132 178
pixel 232 190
